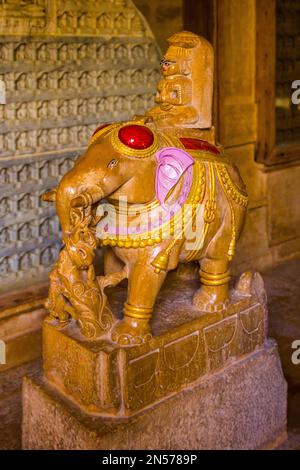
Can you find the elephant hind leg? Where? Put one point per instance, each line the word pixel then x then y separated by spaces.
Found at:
pixel 213 294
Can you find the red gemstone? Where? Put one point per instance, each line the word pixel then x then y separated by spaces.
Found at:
pixel 198 144
pixel 99 128
pixel 136 137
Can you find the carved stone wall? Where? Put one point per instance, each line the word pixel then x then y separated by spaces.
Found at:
pixel 67 67
pixel 164 17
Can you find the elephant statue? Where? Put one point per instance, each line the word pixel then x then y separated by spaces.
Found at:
pixel 152 199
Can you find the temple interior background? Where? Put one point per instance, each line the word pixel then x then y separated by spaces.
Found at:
pixel 78 64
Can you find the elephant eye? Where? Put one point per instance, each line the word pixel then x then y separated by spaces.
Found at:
pixel 112 163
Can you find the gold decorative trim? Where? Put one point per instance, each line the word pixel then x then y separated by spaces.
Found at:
pixel 105 130
pixel 231 249
pixel 137 312
pixel 229 187
pixel 161 261
pixel 233 194
pixel 137 153
pixel 172 226
pixel 210 279
pixel 210 205
pixel 206 156
pixel 209 210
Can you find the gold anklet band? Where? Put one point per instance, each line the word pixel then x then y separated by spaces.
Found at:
pixel 210 279
pixel 137 312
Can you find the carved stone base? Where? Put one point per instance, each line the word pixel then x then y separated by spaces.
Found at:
pixel 240 407
pixel 203 381
pixel 109 380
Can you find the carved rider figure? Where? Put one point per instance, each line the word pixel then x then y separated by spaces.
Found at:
pixel 184 95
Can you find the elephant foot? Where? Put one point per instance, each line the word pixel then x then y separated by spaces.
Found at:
pixel 131 331
pixel 210 302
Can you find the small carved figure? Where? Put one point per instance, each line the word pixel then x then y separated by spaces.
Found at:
pixel 66 22
pixel 46 228
pixel 42 139
pixel 24 174
pixel 103 78
pixel 137 77
pixel 120 104
pixel 20 52
pixel 52 137
pixel 5 267
pixel 104 22
pixel 63 53
pixel 184 95
pixel 42 110
pixel 136 23
pixel 43 81
pixel 84 80
pixel 10 143
pixel 4 206
pixel 22 141
pixel 63 108
pixel 121 52
pixel 137 53
pixel 2 52
pixel 63 137
pixel 47 256
pixel 4 237
pixel 120 78
pixel 104 52
pixel 21 83
pixel 21 112
pixel 25 202
pixel 26 261
pixel 43 53
pixel 25 232
pixel 121 22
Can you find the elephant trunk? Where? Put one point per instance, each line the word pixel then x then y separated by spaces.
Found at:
pixel 70 195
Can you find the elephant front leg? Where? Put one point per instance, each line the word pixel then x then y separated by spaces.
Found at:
pixel 143 287
pixel 213 294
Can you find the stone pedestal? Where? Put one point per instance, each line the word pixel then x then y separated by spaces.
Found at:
pixel 240 407
pixel 205 381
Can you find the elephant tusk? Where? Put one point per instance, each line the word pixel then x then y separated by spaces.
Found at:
pixel 83 200
pixel 86 199
pixel 49 196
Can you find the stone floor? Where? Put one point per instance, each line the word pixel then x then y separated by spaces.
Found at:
pixel 283 288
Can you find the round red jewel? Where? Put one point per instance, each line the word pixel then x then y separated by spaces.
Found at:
pixel 136 137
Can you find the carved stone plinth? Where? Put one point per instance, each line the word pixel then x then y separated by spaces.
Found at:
pixel 203 381
pixel 108 379
pixel 240 407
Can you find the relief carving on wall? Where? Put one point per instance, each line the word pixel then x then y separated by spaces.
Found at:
pixel 50 113
pixel 58 17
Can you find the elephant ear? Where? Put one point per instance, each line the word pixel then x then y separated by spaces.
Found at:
pixel 172 163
